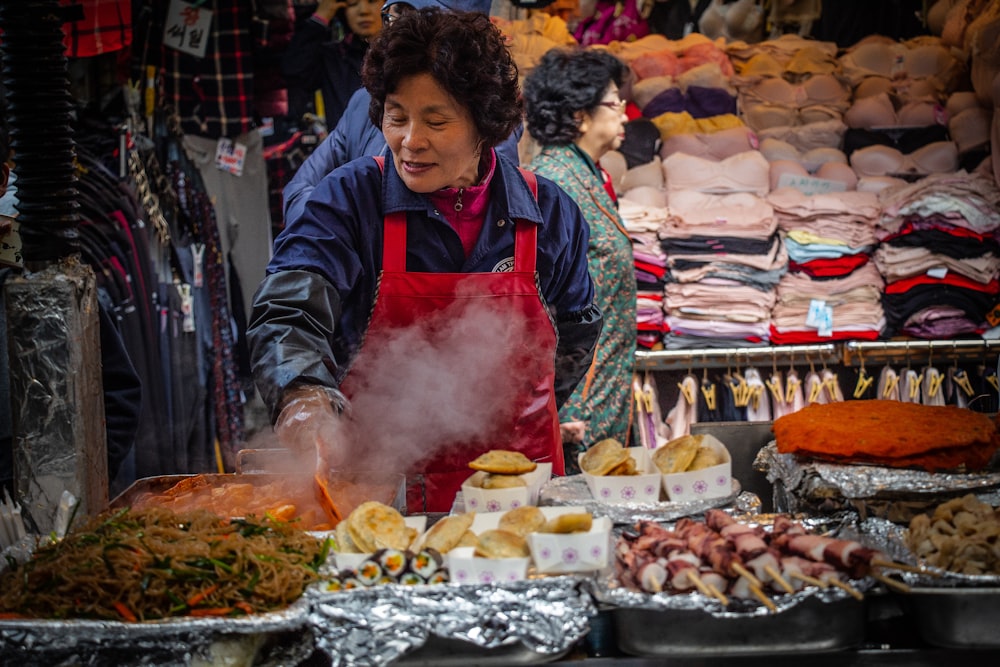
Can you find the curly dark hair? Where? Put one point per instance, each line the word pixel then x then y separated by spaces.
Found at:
pixel 563 83
pixel 464 52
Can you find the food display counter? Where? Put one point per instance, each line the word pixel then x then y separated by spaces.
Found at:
pixel 564 610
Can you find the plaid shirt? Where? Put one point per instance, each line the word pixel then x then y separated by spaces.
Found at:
pixel 214 95
pixel 106 26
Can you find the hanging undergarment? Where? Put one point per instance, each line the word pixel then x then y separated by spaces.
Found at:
pixel 759 399
pixel 932 389
pixel 909 386
pixel 685 410
pixel 888 384
pixel 739 20
pixel 794 396
pixel 813 389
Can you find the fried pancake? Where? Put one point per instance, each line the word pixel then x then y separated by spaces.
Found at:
pixel 374 525
pixel 705 457
pixel 344 542
pixel 676 455
pixel 503 461
pixel 468 539
pixel 603 456
pixel 522 520
pixel 498 543
pixel 579 522
pixel 626 467
pixel 446 533
pixel 498 481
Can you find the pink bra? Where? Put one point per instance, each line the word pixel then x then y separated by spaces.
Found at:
pixel 877 111
pixel 776 149
pixel 938 157
pixel 712 145
pixel 744 172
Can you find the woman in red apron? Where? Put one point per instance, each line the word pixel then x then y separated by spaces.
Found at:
pixel 440 257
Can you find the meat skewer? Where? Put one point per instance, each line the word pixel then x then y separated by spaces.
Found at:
pixel 714 550
pixel 750 546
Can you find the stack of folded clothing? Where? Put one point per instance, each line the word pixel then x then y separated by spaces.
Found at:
pixel 831 291
pixel 642 221
pixel 939 255
pixel 723 250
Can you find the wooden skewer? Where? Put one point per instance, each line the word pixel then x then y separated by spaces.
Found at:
pixel 787 587
pixel 892 583
pixel 766 601
pixel 699 584
pixel 812 581
pixel 719 595
pixel 747 574
pixel 854 592
pixel 903 567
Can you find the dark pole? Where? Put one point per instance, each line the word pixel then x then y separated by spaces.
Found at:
pixel 40 117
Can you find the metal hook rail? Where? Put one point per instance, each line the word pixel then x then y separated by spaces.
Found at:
pixel 849 353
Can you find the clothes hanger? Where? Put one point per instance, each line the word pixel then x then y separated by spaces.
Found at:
pixel 707 388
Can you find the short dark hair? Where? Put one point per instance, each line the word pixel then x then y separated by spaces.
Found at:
pixel 464 52
pixel 564 82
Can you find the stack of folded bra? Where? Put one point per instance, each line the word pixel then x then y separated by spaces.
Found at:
pixel 831 290
pixel 939 255
pixel 724 253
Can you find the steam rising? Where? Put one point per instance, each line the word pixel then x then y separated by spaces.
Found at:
pixel 451 378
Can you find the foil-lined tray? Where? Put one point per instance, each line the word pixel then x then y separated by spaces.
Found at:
pixel 950 609
pixel 525 622
pixel 896 494
pixel 573 490
pixel 270 639
pixel 693 625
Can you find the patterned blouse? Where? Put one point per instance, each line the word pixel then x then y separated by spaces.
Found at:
pixel 603 399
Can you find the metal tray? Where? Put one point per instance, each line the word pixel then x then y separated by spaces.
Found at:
pixel 955 617
pixel 280 638
pixel 448 652
pixel 809 627
pixel 380 487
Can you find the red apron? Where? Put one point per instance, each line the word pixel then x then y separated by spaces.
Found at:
pixel 412 300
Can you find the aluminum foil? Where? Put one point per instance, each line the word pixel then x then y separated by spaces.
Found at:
pixel 573 490
pixel 890 538
pixel 545 616
pixel 608 591
pixel 275 638
pixel 894 493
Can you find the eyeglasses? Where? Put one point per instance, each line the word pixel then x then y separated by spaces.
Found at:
pixel 618 107
pixel 394 11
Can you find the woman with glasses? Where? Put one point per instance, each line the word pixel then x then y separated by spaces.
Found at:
pixel 573 110
pixel 436 289
pixel 325 54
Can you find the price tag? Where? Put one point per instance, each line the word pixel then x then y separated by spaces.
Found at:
pixel 993 317
pixel 815 314
pixel 230 156
pixel 938 272
pixel 808 185
pixel 187 307
pixel 198 255
pixel 186 27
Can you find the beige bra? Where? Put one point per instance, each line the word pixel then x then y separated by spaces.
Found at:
pixel 878 111
pixel 938 157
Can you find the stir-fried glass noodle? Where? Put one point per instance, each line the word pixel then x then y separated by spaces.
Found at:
pixel 151 564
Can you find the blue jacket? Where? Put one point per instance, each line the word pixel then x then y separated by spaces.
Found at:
pixel 312 308
pixel 354 136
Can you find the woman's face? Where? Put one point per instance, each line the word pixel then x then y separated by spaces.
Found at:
pixel 432 137
pixel 603 128
pixel 363 18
